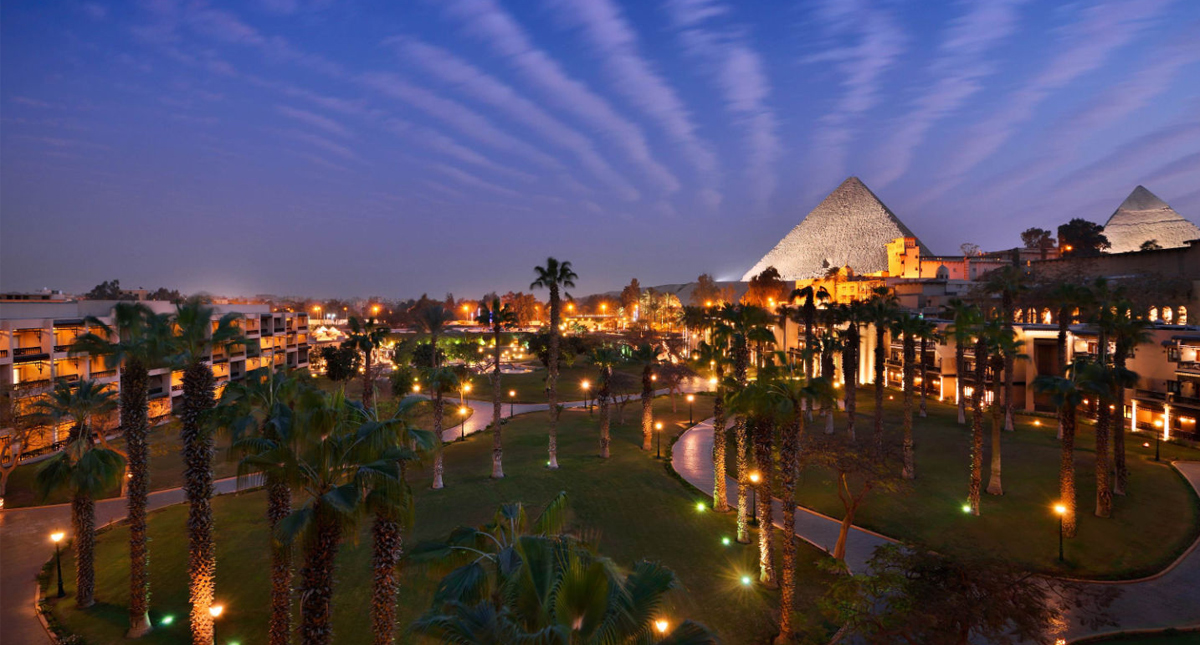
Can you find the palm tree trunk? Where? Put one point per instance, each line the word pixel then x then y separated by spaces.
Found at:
pixel 764 432
pixel 1066 470
pixel 827 372
pixel 136 424
pixel 720 493
pixel 1118 429
pixel 743 477
pixel 1009 366
pixel 1062 359
pixel 879 381
pixel 439 463
pixel 497 413
pixel 994 486
pixel 789 466
pixel 977 425
pixel 909 351
pixel 368 385
pixel 386 547
pixel 647 408
pixel 1103 463
pixel 850 376
pixel 960 366
pixel 83 517
pixel 279 506
pixel 924 376
pixel 605 420
pixel 198 388
pixel 316 593
pixel 552 376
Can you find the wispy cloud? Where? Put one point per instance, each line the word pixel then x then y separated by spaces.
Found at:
pixel 468 179
pixel 440 143
pixel 482 87
pixel 614 40
pixel 456 115
pixel 1185 166
pixel 959 68
pixel 738 71
pixel 487 21
pixel 320 142
pixel 311 118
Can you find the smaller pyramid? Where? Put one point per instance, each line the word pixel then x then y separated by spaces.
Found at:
pixel 1143 217
pixel 850 227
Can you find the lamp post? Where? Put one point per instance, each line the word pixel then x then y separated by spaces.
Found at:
pixel 691 398
pixel 661 625
pixel 587 397
pixel 1061 510
pixel 658 440
pixel 754 479
pixel 56 538
pixel 462 425
pixel 512 395
pixel 215 611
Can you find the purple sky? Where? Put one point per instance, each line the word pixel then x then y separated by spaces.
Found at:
pixel 393 148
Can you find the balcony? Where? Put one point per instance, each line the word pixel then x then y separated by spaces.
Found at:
pixel 58 349
pixel 66 378
pixel 1188 367
pixel 104 373
pixel 177 387
pixel 28 353
pixel 32 384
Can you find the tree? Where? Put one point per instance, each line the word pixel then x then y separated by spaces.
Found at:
pixel 439 380
pixel 165 294
pixel 852 314
pixel 968 249
pixel 965 317
pixel 631 294
pixel 1081 238
pixel 911 595
pixel 706 293
pixel 1038 238
pixel 523 305
pixel 138 340
pixel 499 318
pixel 341 363
pixel 1002 342
pixel 908 327
pixel 83 469
pixel 647 356
pixel 21 429
pixel 364 337
pixel 1070 298
pixel 755 402
pixel 604 358
pixel 107 290
pixel 980 376
pixel 1102 316
pixel 766 289
pixel 1150 245
pixel 712 357
pixel 1066 394
pixel 258 410
pixel 195 340
pixel 1009 282
pixel 857 470
pixel 554 276
pixel 927 332
pixel 1128 331
pixel 811 295
pixel 879 310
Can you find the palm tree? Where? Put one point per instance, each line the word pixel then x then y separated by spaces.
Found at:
pixel 329 462
pixel 194 342
pixel 1070 298
pixel 434 320
pixel 1066 394
pixel 980 376
pixel 439 380
pixel 808 309
pixel 1129 330
pixel 84 470
pixel 499 317
pixel 365 336
pixel 1103 316
pixel 554 276
pixel 712 357
pixel 851 314
pixel 1002 341
pixel 647 356
pixel 259 411
pixel 755 403
pixel 880 309
pixel 965 317
pixel 1009 282
pixel 605 357
pixel 137 341
pixel 908 327
pixel 830 343
pixel 927 333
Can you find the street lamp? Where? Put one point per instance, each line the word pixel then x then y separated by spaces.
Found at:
pixel 512 395
pixel 662 625
pixel 658 440
pixel 754 479
pixel 462 425
pixel 215 611
pixel 587 399
pixel 416 388
pixel 56 538
pixel 690 399
pixel 1061 510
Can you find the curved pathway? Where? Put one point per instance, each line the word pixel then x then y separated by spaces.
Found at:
pixel 1167 599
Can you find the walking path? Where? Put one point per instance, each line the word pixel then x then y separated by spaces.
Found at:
pixel 1167 599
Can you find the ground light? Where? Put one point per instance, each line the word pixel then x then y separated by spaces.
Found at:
pixel 966 508
pixel 700 506
pixel 726 541
pixel 747 581
pixel 166 620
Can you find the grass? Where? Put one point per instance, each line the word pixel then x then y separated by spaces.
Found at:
pixel 166 469
pixel 1170 637
pixel 630 504
pixel 1020 526
pixel 531 387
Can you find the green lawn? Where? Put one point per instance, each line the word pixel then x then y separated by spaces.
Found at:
pixel 166 468
pixel 1168 638
pixel 632 506
pixel 531 387
pixel 1020 526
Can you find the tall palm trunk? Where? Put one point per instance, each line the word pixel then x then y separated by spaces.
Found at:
pixel 316 593
pixel 1009 366
pixel 1118 426
pixel 827 372
pixel 439 462
pixel 879 382
pixel 720 493
pixel 850 375
pixel 368 382
pixel 386 548
pixel 1103 457
pixel 789 467
pixel 497 409
pixel 994 486
pixel 198 388
pixel 552 376
pixel 279 506
pixel 647 407
pixel 136 424
pixel 1066 469
pixel 764 435
pixel 605 420
pixel 83 519
pixel 924 376
pixel 981 353
pixel 1063 326
pixel 740 368
pixel 809 341
pixel 909 353
pixel 960 368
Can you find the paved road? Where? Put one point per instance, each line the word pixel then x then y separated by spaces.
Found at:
pixel 1166 600
pixel 25 543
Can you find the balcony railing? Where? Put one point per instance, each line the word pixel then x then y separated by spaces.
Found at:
pixel 177 387
pixel 31 384
pixel 62 348
pixel 104 373
pixel 66 378
pixel 1188 366
pixel 27 351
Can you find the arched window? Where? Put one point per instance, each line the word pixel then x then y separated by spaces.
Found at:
pixel 1168 315
pixel 1047 317
pixel 1153 314
pixel 943 273
pixel 1181 319
pixel 1018 315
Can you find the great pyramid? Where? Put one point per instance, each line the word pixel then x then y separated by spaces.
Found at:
pixel 850 227
pixel 1142 217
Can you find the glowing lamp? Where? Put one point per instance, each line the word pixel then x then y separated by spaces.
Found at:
pixel 755 477
pixel 661 625
pixel 216 610
pixel 57 537
pixel 691 398
pixel 700 506
pixel 966 508
pixel 512 393
pixel 1061 509
pixel 726 541
pixel 746 580
pixel 167 620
